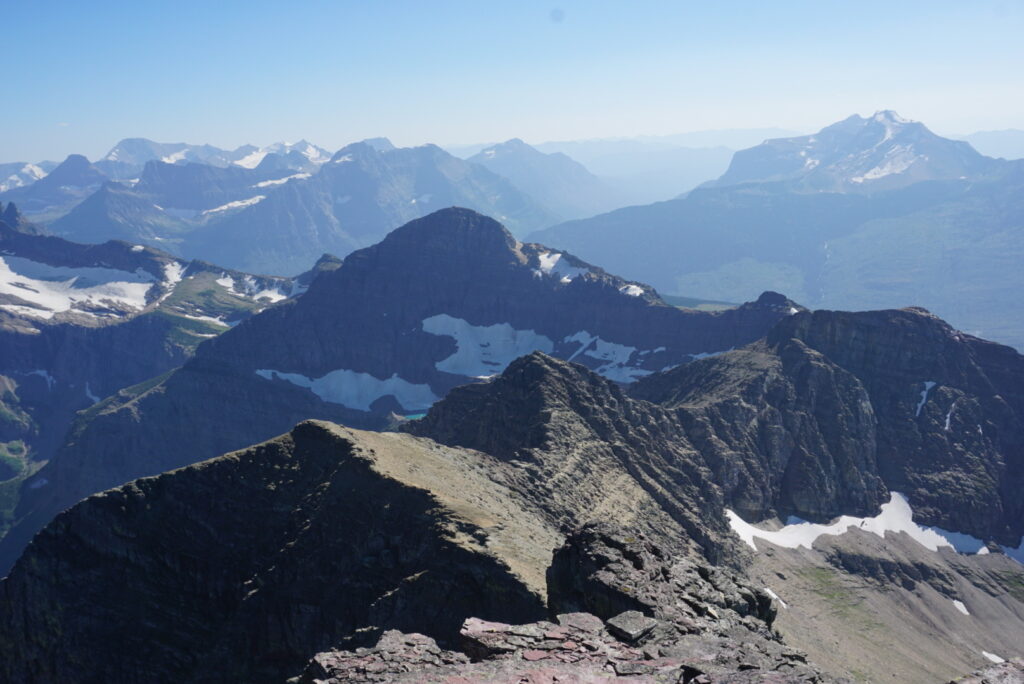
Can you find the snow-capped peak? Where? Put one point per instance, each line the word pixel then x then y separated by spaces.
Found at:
pixel 889 116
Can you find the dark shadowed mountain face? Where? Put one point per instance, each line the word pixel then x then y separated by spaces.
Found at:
pixel 884 396
pixel 554 180
pixel 445 300
pixel 950 245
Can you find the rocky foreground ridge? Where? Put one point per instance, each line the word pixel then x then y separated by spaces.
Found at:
pixel 244 567
pixel 623 609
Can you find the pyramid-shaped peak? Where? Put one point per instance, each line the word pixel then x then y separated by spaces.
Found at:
pixel 457 227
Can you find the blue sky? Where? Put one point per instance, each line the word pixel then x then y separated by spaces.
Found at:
pixel 81 75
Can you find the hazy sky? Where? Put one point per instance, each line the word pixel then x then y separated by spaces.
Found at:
pixel 81 75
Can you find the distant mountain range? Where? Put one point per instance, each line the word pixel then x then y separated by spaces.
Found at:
pixel 868 213
pixel 277 209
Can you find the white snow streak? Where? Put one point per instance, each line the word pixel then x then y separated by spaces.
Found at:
pixel 776 597
pixel 358 390
pixel 237 204
pixel 924 396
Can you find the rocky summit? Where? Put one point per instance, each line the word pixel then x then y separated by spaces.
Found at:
pixel 621 610
pixel 456 560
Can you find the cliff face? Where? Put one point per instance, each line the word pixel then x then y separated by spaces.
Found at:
pixel 833 409
pixel 784 430
pixel 950 411
pixel 240 568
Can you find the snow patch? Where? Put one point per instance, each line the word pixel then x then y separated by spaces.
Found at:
pixel 993 657
pixel 251 160
pixel 924 396
pixel 357 390
pixel 897 160
pixel 483 350
pixel 959 605
pixel 631 290
pixel 281 181
pixel 137 248
pixel 776 597
pixel 247 286
pixel 552 264
pixel 949 416
pixel 708 355
pixel 615 356
pixel 175 157
pixel 53 289
pixel 896 516
pixel 237 204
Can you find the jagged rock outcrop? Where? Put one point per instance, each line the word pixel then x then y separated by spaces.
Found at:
pixel 784 430
pixel 441 301
pixel 950 410
pixel 1009 672
pixel 848 405
pixel 664 620
pixel 581 445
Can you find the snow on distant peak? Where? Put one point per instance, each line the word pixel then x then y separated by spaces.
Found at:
pixel 891 116
pixel 237 204
pixel 898 159
pixel 252 160
pixel 175 157
pixel 552 264
pixel 281 181
pixel 631 290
